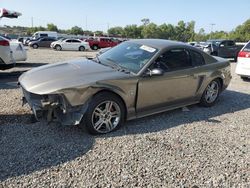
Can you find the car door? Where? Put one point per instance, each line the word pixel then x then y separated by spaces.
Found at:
pixel 42 42
pixel 75 44
pixel 49 41
pixel 178 84
pixel 104 43
pixel 19 53
pixel 66 44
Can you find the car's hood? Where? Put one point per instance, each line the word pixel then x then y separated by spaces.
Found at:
pixel 77 73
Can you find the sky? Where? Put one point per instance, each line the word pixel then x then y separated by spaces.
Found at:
pixel 102 14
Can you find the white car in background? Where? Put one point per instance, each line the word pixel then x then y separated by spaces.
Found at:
pixel 243 62
pixel 70 44
pixel 18 50
pixel 6 56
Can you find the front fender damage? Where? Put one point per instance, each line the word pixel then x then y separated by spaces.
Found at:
pixel 56 107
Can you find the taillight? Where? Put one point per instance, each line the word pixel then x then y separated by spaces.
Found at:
pixel 5 12
pixel 244 54
pixel 4 43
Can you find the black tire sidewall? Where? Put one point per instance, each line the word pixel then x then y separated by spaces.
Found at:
pixel 58 49
pixel 95 47
pixel 96 100
pixel 81 48
pixel 35 46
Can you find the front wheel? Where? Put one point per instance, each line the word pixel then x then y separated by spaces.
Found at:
pixel 105 114
pixel 211 93
pixel 58 47
pixel 35 46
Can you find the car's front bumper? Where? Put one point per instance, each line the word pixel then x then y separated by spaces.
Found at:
pixel 54 108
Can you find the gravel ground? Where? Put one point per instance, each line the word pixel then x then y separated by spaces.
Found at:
pixel 199 147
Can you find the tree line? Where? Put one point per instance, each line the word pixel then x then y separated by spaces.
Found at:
pixel 183 31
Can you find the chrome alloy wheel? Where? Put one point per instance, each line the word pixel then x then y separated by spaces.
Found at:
pixel 212 92
pixel 106 116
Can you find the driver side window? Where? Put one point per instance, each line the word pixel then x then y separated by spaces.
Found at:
pixel 175 59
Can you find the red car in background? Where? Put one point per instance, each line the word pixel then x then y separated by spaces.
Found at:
pixel 102 42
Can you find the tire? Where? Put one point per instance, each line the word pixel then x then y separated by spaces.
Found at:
pixel 98 118
pixel 214 53
pixel 235 59
pixel 95 47
pixel 35 46
pixel 81 48
pixel 58 47
pixel 211 93
pixel 244 78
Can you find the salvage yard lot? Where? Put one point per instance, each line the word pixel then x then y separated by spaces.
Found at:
pixel 200 146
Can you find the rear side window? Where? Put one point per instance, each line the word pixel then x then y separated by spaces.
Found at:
pixel 247 47
pixel 197 58
pixel 230 43
pixel 75 41
pixel 43 35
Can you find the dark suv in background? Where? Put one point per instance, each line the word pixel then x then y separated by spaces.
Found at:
pixel 222 48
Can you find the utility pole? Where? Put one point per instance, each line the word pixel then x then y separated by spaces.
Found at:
pixel 31 22
pixel 86 23
pixel 212 26
pixel 108 29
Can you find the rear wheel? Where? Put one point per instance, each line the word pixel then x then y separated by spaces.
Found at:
pixel 81 48
pixel 106 113
pixel 35 46
pixel 58 47
pixel 211 93
pixel 95 47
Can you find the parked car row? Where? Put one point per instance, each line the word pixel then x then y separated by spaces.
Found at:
pixel 69 43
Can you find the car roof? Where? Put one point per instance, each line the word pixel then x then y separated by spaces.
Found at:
pixel 160 43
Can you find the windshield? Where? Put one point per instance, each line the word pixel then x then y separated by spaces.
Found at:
pixel 128 55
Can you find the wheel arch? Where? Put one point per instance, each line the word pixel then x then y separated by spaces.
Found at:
pixel 107 90
pixel 81 47
pixel 35 44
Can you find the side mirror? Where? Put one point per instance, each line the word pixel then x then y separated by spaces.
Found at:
pixel 155 72
pixel 222 45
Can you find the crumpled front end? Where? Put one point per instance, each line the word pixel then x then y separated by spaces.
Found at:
pixel 54 108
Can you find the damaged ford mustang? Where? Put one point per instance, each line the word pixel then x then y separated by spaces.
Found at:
pixel 132 80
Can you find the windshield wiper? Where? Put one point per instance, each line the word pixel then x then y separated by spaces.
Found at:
pixel 97 60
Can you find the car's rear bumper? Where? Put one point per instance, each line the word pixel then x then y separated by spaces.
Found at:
pixel 243 67
pixel 7 59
